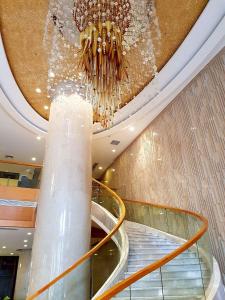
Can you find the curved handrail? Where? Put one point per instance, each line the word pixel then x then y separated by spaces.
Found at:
pixel 94 249
pixel 146 270
pixel 90 252
pixel 165 259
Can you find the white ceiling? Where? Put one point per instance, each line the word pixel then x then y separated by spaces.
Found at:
pixel 13 240
pixel 17 140
pixel 20 124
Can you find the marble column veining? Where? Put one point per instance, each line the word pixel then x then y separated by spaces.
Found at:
pixel 63 217
pixel 22 276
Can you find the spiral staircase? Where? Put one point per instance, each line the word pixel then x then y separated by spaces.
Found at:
pixel 162 253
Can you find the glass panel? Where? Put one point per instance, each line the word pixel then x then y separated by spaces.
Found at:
pixel 206 259
pixel 106 200
pixel 103 262
pixel 89 277
pixel 177 224
pixel 187 274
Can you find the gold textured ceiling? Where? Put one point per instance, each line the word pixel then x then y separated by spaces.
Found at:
pixel 22 28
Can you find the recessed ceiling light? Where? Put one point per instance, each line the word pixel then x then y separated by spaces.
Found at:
pixel 113 170
pixel 25 246
pixel 38 138
pixel 131 128
pixel 29 233
pixel 11 253
pixel 3 247
pixel 155 133
pixel 38 90
pixel 25 241
pixel 33 158
pixel 46 107
pixel 114 150
pixel 100 168
pixel 159 159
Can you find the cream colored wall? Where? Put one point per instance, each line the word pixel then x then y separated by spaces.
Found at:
pixel 179 159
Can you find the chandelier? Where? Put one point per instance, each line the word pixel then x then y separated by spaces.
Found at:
pixel 100 34
pixel 102 25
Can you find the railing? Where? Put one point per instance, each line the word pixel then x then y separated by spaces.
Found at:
pixel 188 226
pixel 110 262
pixel 116 206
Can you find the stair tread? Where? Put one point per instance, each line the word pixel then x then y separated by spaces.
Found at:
pixel 187 269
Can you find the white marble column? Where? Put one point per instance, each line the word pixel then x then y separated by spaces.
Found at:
pixel 22 276
pixel 63 218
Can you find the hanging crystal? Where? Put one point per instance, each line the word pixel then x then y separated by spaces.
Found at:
pixel 107 47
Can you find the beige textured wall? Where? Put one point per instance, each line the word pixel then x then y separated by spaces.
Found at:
pixel 179 159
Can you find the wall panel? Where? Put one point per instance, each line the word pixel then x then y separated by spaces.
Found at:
pixel 179 159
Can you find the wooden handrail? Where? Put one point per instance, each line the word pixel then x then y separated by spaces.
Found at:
pixel 161 262
pixel 20 163
pixel 93 250
pixel 141 273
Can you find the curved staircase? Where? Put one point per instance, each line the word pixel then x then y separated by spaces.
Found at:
pixel 164 252
pixel 179 279
pixel 167 257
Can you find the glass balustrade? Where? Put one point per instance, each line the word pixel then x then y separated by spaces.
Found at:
pixel 186 275
pixel 90 275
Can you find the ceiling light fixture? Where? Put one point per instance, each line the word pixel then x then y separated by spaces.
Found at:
pixel 33 158
pixel 102 35
pixel 114 150
pixel 3 247
pixel 113 170
pixel 29 233
pixel 25 246
pixel 25 241
pixel 46 107
pixel 38 138
pixel 11 253
pixel 100 168
pixel 38 90
pixel 131 128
